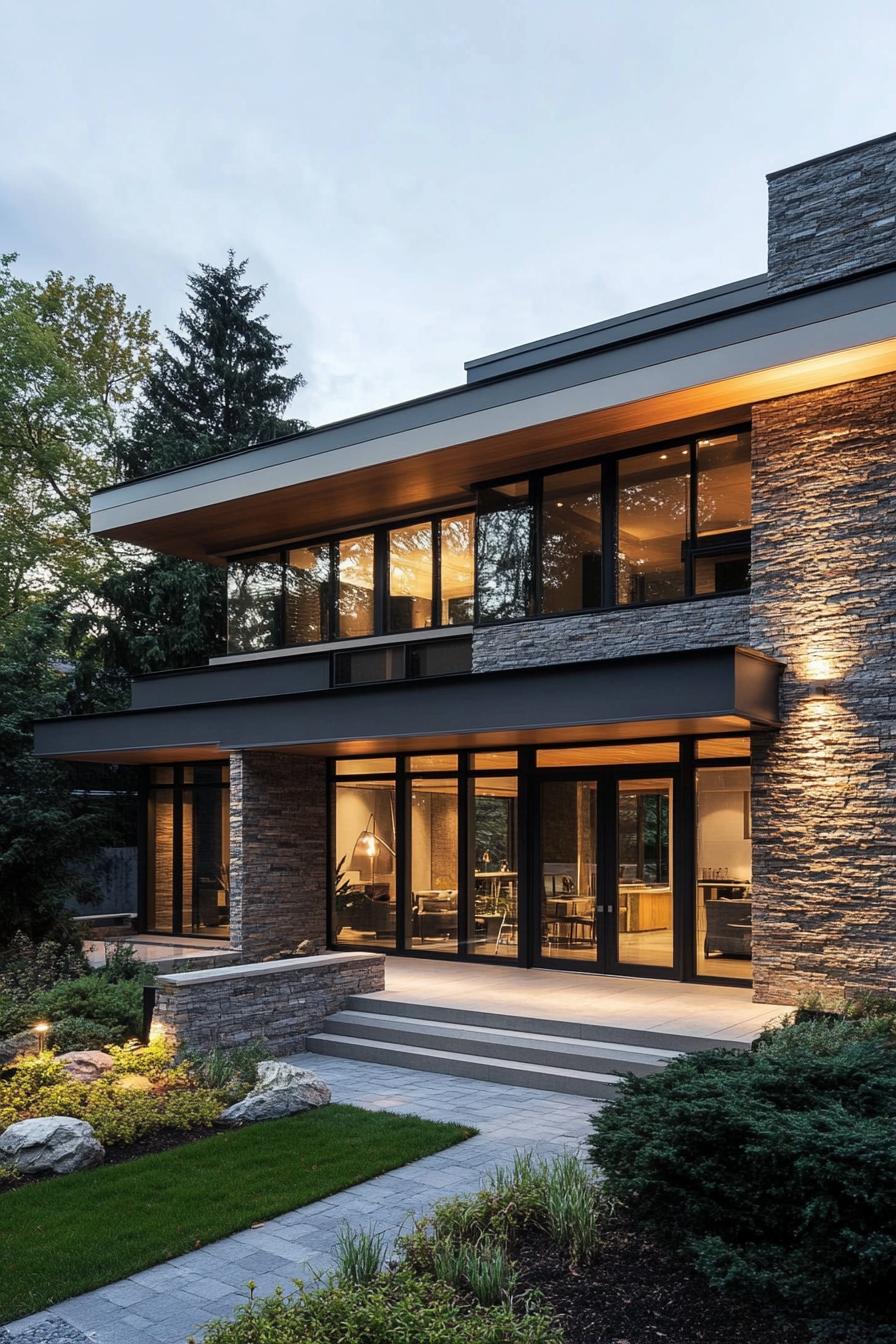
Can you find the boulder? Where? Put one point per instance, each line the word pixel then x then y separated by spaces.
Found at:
pixel 23 1043
pixel 280 1089
pixel 56 1143
pixel 85 1066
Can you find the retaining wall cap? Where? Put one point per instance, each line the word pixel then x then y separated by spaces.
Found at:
pixel 322 960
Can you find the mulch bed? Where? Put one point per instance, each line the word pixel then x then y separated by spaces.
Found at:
pixel 123 1152
pixel 637 1292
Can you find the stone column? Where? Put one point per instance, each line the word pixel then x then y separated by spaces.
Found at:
pixel 824 600
pixel 278 846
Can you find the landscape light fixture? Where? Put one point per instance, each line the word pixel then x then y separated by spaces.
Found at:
pixel 40 1029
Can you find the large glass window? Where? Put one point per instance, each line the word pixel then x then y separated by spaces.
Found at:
pixel 568 869
pixel 254 591
pixel 644 879
pixel 410 577
pixel 308 594
pixel 364 863
pixel 354 586
pixel 456 569
pixel 724 914
pixel 571 540
pixel 188 851
pixel 504 552
pixel 652 526
pixel 435 887
pixel 495 875
pixel 722 550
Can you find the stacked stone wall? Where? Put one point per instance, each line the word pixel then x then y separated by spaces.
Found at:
pixel 824 600
pixel 276 1003
pixel 278 846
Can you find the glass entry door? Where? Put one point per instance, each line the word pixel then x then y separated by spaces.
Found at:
pixel 644 874
pixel 604 880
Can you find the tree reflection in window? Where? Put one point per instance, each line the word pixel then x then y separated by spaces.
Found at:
pixel 504 552
pixel 254 589
pixel 652 525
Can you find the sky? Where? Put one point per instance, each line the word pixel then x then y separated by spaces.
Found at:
pixel 421 182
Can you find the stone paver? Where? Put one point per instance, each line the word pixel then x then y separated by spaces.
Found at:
pixel 166 1304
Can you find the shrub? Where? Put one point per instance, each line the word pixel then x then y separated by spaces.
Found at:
pixel 396 1308
pixel 122 963
pixel 229 1070
pixel 80 1033
pixel 775 1168
pixel 39 1086
pixel 118 1006
pixel 27 967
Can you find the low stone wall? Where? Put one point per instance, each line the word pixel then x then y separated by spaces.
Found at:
pixel 276 1002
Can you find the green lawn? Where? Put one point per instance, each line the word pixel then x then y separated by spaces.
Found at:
pixel 74 1233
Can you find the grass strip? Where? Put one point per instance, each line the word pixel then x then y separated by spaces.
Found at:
pixel 73 1233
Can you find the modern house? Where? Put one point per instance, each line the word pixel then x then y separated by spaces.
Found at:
pixel 588 663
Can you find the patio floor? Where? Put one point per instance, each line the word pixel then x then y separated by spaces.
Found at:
pixel 714 1011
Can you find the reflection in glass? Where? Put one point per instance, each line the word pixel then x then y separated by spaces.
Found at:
pixel 723 484
pixel 568 869
pixel 652 523
pixel 307 604
pixel 434 870
pixel 724 873
pixel 504 552
pixel 254 590
pixel 727 573
pixel 456 569
pixel 410 577
pixel 495 876
pixel 644 858
pixel 354 586
pixel 206 872
pixel 364 855
pixel 571 540
pixel 160 861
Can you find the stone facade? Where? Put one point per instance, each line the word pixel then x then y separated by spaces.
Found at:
pixel 824 787
pixel 832 217
pixel 276 1002
pixel 278 849
pixel 622 633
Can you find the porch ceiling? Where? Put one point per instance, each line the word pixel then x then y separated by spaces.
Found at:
pixel 711 690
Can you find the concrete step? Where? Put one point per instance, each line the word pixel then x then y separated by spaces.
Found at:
pixel 518 1046
pixel 463 1065
pixel 605 1033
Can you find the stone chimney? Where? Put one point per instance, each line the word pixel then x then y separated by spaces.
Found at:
pixel 832 217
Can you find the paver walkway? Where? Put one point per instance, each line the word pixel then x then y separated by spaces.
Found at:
pixel 166 1304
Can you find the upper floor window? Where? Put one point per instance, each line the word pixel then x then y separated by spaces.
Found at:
pixel 654 525
pixel 416 576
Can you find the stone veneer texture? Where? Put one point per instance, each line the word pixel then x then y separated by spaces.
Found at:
pixel 277 1003
pixel 278 847
pixel 613 634
pixel 824 599
pixel 833 217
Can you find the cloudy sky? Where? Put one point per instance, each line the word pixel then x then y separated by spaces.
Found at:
pixel 421 181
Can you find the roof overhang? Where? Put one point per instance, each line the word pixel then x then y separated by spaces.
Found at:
pixel 728 689
pixel 426 454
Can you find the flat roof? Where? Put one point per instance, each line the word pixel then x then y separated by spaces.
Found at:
pixel 601 386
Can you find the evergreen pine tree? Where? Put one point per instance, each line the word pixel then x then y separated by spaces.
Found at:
pixel 216 388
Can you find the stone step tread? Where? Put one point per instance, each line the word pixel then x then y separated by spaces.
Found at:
pixel 382 1003
pixel 315 1042
pixel 462 1032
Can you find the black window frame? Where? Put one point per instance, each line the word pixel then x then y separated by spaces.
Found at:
pixel 693 547
pixel 380 533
